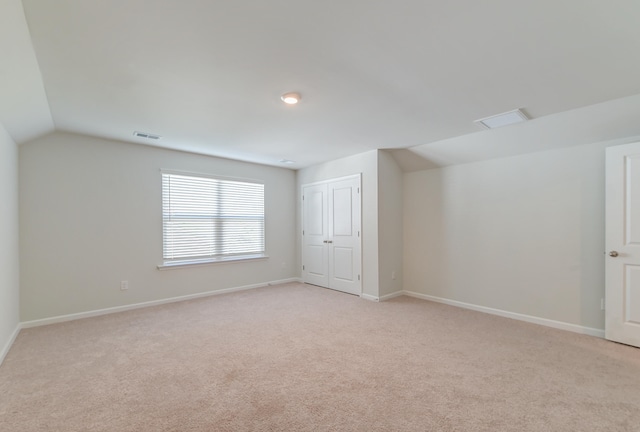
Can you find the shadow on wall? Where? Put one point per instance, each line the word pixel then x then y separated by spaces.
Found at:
pixel 410 161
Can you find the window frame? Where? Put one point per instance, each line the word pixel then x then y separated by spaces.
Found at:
pixel 169 263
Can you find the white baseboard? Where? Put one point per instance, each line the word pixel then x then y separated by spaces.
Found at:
pixel 284 281
pixel 513 315
pixel 369 297
pixel 7 346
pixel 98 312
pixel 382 298
pixel 392 295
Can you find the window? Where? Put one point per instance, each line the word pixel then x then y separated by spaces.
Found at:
pixel 206 219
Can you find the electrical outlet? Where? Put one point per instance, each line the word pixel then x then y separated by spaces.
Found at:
pixel 124 285
pixel 393 275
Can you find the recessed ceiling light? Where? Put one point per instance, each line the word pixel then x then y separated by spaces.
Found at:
pixel 286 161
pixel 291 98
pixel 504 119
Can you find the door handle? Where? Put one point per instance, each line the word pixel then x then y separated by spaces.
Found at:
pixel 327 241
pixel 613 254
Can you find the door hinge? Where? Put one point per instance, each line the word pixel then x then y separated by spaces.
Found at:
pixel 358 190
pixel 358 277
pixel 358 233
pixel 302 267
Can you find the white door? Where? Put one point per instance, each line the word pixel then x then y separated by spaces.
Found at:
pixel 331 252
pixel 344 235
pixel 623 244
pixel 315 232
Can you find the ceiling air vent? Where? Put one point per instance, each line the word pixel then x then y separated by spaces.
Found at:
pixel 146 135
pixel 504 119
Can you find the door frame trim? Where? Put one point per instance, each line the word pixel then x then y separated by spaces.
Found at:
pixel 357 176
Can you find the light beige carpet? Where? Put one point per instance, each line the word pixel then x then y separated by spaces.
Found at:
pixel 300 358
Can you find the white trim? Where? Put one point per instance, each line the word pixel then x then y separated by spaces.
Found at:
pixel 211 176
pixel 331 180
pixel 384 297
pixel 392 295
pixel 172 265
pixel 283 281
pixel 369 297
pixel 358 177
pixel 98 312
pixel 7 346
pixel 513 315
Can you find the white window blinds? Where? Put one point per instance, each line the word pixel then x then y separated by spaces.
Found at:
pixel 207 219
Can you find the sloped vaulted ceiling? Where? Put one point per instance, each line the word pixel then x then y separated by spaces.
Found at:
pixel 24 109
pixel 207 75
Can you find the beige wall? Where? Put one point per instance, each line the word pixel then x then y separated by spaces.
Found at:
pixel 9 265
pixel 523 234
pixel 367 164
pixel 91 217
pixel 389 224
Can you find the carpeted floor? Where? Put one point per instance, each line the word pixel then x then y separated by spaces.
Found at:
pixel 300 358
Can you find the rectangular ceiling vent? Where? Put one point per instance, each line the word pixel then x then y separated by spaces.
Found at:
pixel 146 135
pixel 504 119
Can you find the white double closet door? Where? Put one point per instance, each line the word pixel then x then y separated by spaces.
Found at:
pixel 331 249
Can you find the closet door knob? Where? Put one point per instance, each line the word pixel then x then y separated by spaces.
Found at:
pixel 613 254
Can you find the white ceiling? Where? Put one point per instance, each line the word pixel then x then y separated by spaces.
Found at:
pixel 207 75
pixel 24 111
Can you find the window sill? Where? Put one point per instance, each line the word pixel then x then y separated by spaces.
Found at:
pixel 171 265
